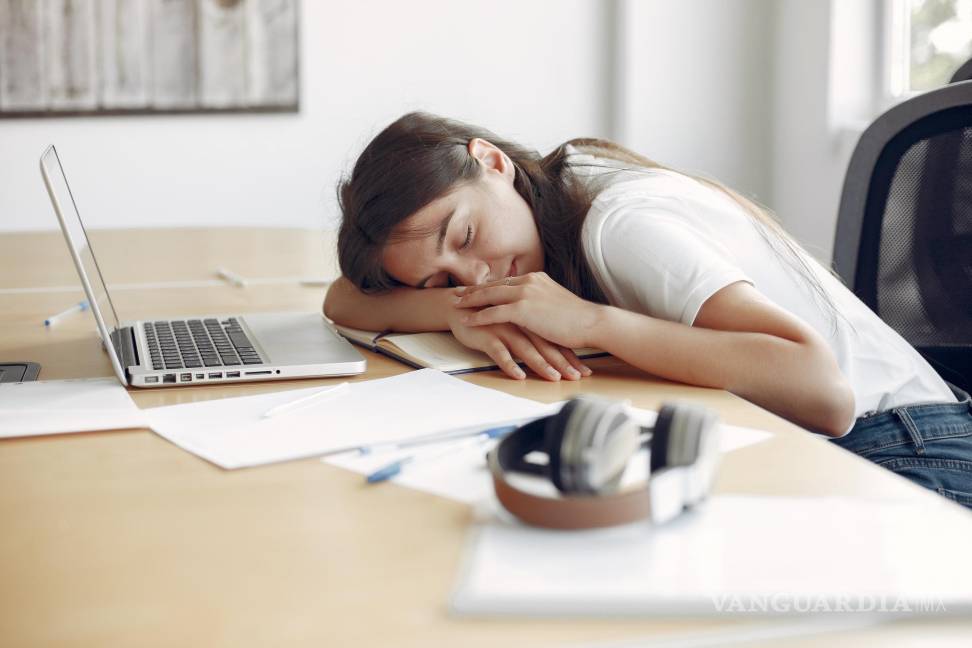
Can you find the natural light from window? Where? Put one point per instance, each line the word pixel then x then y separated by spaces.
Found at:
pixel 930 40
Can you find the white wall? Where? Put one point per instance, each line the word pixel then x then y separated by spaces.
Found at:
pixel 528 70
pixel 699 88
pixel 823 98
pixel 734 89
pixel 769 96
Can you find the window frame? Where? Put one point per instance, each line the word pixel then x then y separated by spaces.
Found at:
pixel 895 53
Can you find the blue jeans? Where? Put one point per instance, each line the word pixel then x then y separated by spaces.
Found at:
pixel 929 443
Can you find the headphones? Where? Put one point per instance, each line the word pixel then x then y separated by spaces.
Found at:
pixel 588 445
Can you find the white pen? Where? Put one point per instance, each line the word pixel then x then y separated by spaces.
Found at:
pixel 310 281
pixel 392 469
pixel 231 277
pixel 377 448
pixel 77 308
pixel 305 401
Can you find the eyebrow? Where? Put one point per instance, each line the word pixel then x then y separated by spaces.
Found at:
pixel 443 228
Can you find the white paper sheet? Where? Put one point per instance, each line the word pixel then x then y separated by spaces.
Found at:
pixel 463 476
pixel 460 475
pixel 734 556
pixel 232 433
pixel 61 406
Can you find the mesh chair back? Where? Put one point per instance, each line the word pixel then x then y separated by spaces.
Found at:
pixel 904 233
pixel 964 73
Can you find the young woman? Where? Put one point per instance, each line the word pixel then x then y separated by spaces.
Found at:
pixel 448 227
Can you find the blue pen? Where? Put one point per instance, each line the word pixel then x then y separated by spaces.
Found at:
pixel 394 468
pixel 77 308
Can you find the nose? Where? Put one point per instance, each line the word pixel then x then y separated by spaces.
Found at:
pixel 472 272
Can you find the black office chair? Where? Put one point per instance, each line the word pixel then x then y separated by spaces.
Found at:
pixel 904 229
pixel 964 73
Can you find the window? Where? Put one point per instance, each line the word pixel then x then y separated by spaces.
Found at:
pixel 927 41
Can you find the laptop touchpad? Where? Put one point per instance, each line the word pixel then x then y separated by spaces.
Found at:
pixel 298 338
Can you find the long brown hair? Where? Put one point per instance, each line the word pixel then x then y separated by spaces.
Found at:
pixel 421 157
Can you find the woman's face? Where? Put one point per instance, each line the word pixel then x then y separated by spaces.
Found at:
pixel 479 232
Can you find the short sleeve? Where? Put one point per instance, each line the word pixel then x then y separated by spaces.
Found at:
pixel 662 264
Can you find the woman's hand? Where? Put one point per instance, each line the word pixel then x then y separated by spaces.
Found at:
pixel 503 342
pixel 534 302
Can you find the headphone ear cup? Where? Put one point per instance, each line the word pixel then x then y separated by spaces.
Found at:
pixel 616 440
pixel 589 445
pixel 660 438
pixel 513 448
pixel 575 455
pixel 679 432
pixel 553 436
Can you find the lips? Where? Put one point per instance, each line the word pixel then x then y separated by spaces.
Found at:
pixel 512 270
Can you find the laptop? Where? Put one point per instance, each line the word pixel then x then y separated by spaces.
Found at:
pixel 206 349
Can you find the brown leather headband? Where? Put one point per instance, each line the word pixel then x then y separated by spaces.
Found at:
pixel 568 512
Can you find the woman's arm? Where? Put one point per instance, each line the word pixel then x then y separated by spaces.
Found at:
pixel 434 309
pixel 745 345
pixel 402 309
pixel 740 342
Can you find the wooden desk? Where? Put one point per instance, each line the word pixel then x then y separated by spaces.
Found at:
pixel 123 539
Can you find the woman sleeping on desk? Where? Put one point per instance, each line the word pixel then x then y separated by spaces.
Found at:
pixel 446 226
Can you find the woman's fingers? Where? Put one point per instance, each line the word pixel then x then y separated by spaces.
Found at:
pixel 546 359
pixel 557 356
pixel 492 315
pixel 561 359
pixel 501 356
pixel 524 348
pixel 509 281
pixel 575 361
pixel 487 295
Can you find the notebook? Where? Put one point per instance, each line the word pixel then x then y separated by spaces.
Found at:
pixel 737 555
pixel 435 350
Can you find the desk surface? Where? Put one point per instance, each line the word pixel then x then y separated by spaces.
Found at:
pixel 123 539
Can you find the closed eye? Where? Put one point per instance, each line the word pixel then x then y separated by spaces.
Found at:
pixel 465 243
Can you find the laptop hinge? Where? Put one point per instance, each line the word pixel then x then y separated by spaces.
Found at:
pixel 124 342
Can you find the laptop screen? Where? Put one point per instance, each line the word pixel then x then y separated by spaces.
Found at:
pixel 76 237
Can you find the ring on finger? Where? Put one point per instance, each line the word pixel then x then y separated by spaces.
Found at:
pixel 508 279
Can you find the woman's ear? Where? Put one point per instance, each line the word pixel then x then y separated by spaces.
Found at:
pixel 491 157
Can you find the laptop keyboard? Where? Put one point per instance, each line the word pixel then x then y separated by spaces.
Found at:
pixel 179 344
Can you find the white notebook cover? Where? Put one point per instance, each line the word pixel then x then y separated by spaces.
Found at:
pixel 736 555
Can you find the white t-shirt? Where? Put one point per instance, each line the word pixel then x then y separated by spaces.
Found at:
pixel 661 243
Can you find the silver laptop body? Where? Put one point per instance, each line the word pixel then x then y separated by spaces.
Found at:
pixel 197 350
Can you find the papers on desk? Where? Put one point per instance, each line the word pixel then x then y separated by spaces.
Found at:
pixel 61 406
pixel 233 433
pixel 742 555
pixel 463 476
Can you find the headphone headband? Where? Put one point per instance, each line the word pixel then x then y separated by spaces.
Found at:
pixel 568 511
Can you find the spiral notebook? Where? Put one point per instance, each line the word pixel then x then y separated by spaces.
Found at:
pixel 434 350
